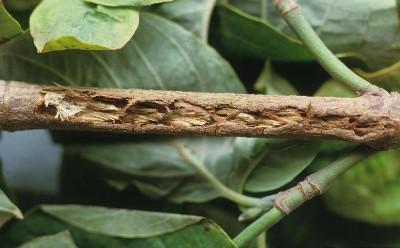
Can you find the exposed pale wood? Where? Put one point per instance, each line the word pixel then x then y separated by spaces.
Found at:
pixel 372 120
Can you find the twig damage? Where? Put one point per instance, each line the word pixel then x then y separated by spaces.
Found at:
pixel 368 119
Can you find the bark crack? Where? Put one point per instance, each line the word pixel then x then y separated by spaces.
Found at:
pixel 373 120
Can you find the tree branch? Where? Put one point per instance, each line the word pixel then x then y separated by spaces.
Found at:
pixel 370 119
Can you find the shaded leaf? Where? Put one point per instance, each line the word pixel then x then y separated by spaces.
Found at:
pixel 201 233
pixel 139 159
pixel 248 36
pixel 353 27
pixel 60 25
pixel 9 27
pixel 270 83
pixel 59 240
pixel 370 191
pixel 276 168
pixel 194 15
pixel 186 64
pixel 334 88
pixel 7 209
pixel 132 3
pixel 21 5
pixel 119 222
pixel 388 78
pixel 158 170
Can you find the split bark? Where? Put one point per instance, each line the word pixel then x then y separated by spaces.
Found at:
pixel 370 119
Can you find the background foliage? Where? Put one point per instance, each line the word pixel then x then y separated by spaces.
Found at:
pixel 197 45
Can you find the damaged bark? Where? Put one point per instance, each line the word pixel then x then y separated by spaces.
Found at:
pixel 370 119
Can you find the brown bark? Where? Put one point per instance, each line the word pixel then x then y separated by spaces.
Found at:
pixel 372 120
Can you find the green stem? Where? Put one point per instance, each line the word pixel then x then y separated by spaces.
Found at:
pixel 226 192
pixel 336 68
pixel 289 200
pixel 262 240
pixel 257 227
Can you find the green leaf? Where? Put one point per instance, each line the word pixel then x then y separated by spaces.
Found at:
pixel 388 78
pixel 139 159
pixel 7 209
pixel 248 36
pixel 194 15
pixel 157 169
pixel 370 191
pixel 9 27
pixel 173 230
pixel 119 222
pixel 281 164
pixel 270 83
pixel 186 64
pixel 132 3
pixel 361 34
pixel 59 240
pixel 334 88
pixel 60 25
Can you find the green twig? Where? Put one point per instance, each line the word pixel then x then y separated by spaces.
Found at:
pixel 257 227
pixel 338 70
pixel 262 240
pixel 289 200
pixel 225 192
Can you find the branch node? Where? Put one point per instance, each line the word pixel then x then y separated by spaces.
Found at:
pixel 289 200
pixel 280 203
pixel 285 6
pixel 309 189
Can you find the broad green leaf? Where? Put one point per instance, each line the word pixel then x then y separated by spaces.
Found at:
pixel 161 55
pixel 352 27
pixel 370 191
pixel 158 170
pixel 59 240
pixel 281 164
pixel 194 15
pixel 248 36
pixel 119 222
pixel 191 232
pixel 73 24
pixel 9 27
pixel 138 159
pixel 132 3
pixel 7 209
pixel 270 83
